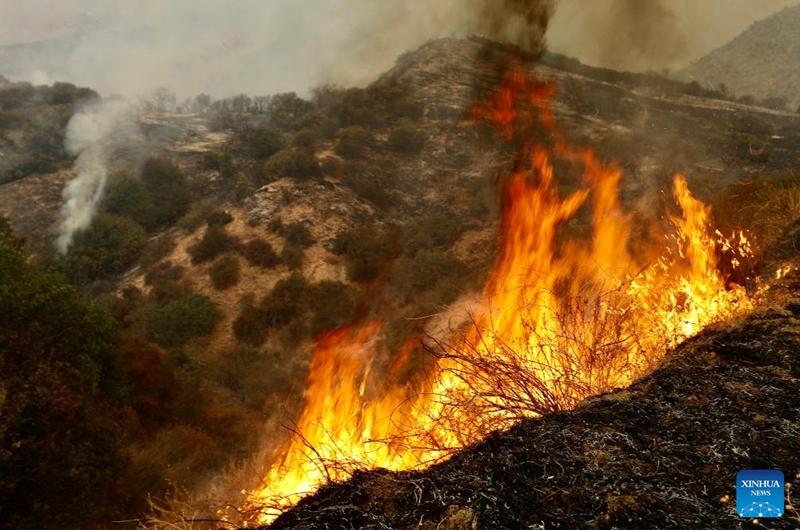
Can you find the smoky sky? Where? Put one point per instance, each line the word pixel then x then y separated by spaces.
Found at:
pixel 266 46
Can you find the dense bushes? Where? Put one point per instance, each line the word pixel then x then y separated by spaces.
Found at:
pixel 64 422
pixel 294 163
pixel 294 303
pixel 181 320
pixel 107 247
pixel 167 189
pixel 262 143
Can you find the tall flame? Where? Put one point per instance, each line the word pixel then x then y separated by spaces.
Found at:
pixel 560 319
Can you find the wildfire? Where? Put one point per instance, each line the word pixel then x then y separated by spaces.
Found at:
pixel 561 318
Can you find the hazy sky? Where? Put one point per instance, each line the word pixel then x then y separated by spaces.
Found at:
pixel 223 47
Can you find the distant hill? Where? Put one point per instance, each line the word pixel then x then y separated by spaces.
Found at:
pixel 761 62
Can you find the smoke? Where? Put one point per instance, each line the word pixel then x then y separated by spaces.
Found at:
pixel 643 35
pixel 242 46
pixel 92 135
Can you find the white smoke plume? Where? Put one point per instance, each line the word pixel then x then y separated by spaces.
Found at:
pixel 92 135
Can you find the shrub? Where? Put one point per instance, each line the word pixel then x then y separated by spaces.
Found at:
pixel 354 142
pixel 181 320
pixel 366 251
pixel 107 247
pixel 287 300
pixel 224 273
pixel 215 241
pixel 289 112
pixel 407 138
pixel 262 143
pixel 168 191
pixel 297 235
pixel 219 218
pixel 260 253
pixel 220 161
pixel 333 305
pixel 126 196
pixel 196 215
pixel 293 163
pixel 373 186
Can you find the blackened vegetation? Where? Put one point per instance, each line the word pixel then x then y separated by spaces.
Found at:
pixel 662 454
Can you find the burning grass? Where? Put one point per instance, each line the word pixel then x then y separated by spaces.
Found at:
pixel 559 319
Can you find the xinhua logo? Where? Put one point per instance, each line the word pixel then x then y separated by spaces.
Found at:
pixel 759 493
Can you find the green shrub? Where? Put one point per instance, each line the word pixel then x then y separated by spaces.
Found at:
pixel 292 163
pixel 215 241
pixel 407 138
pixel 425 271
pixel 262 143
pixel 181 320
pixel 260 253
pixel 353 142
pixel 126 196
pixel 305 139
pixel 224 273
pixel 110 245
pixel 168 191
pixel 165 280
pixel 437 230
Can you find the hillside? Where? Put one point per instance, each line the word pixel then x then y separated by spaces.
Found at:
pixel 761 62
pixel 235 233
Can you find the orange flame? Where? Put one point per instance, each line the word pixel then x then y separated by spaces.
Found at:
pixel 560 320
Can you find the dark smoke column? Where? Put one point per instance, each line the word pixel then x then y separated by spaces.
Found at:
pixel 520 22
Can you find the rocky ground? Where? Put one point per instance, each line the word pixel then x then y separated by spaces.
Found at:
pixel 662 454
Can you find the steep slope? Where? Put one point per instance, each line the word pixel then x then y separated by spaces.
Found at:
pixel 662 454
pixel 761 62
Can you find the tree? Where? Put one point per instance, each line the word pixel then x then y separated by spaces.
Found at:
pixel 61 401
pixel 167 189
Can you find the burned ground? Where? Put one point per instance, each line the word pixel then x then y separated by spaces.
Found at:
pixel 662 454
